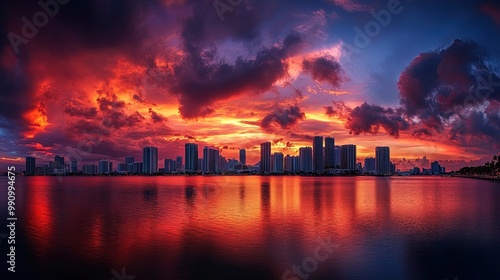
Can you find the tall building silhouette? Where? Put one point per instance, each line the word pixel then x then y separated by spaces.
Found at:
pixel 170 165
pixel 318 154
pixel 435 168
pixel 369 165
pixel 265 157
pixel 336 152
pixel 292 163
pixel 382 160
pixel 329 153
pixel 278 163
pixel 137 168
pixel 59 161
pixel 191 157
pixel 243 156
pixel 74 166
pixel 348 157
pixel 178 161
pixel 30 165
pixel 121 168
pixel 104 167
pixel 150 160
pixel 210 160
pixel 89 169
pixel 306 159
pixel 129 160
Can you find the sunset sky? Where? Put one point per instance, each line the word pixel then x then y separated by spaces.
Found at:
pixel 111 77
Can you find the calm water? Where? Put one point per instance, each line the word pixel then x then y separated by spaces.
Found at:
pixel 255 228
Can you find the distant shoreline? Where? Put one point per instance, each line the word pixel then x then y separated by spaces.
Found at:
pixel 481 177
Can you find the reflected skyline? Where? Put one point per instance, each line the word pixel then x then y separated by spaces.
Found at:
pixel 235 223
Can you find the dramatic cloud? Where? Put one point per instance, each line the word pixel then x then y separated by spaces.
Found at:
pixel 451 87
pixel 324 69
pixel 450 92
pixel 201 80
pixel 74 111
pixel 369 118
pixel 156 117
pixel 282 119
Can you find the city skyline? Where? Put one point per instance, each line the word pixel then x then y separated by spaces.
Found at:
pixel 318 159
pixel 206 160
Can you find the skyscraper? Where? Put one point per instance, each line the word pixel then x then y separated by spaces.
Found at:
pixel 265 157
pixel 318 154
pixel 243 156
pixel 382 160
pixel 191 155
pixel 129 160
pixel 278 163
pixel 178 161
pixel 306 159
pixel 369 165
pixel 329 153
pixel 288 167
pixel 104 167
pixel 336 152
pixel 150 160
pixel 200 165
pixel 89 169
pixel 59 167
pixel 59 160
pixel 74 166
pixel 292 163
pixel 435 168
pixel 121 168
pixel 137 168
pixel 348 157
pixel 210 160
pixel 170 165
pixel 30 165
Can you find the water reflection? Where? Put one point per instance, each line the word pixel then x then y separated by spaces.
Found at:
pixel 150 194
pixel 265 200
pixel 257 227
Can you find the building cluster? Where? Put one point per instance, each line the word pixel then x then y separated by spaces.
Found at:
pixel 436 169
pixel 211 163
pixel 324 157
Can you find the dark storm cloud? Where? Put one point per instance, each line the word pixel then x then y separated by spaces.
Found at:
pixel 112 110
pixel 81 25
pixel 369 118
pixel 451 91
pixel 77 111
pixel 449 86
pixel 203 77
pixel 201 80
pixel 324 69
pixel 156 117
pixel 282 118
pixel 75 27
pixel 436 81
pixel 16 93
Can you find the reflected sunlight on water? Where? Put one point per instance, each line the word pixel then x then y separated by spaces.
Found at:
pixel 258 227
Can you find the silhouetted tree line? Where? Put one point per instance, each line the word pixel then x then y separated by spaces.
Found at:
pixel 489 168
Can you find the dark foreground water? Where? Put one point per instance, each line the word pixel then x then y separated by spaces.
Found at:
pixel 254 228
